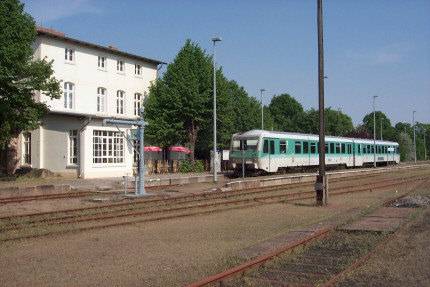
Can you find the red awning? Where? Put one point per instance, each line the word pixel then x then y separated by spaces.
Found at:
pixel 179 149
pixel 152 148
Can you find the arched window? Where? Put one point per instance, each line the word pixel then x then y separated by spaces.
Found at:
pixel 101 99
pixel 120 96
pixel 69 95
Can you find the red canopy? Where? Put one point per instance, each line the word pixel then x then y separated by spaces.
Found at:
pixel 179 149
pixel 152 148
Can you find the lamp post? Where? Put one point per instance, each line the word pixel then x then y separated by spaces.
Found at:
pixel 214 40
pixel 415 141
pixel 262 111
pixel 374 132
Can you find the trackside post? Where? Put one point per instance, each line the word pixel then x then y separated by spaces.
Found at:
pixel 320 184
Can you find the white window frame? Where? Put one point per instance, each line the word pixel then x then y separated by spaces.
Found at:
pixel 69 55
pixel 138 69
pixel 73 147
pixel 120 66
pixel 108 147
pixel 26 148
pixel 138 101
pixel 101 100
pixel 101 62
pixel 120 100
pixel 69 95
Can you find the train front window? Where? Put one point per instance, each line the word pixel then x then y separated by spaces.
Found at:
pixel 250 144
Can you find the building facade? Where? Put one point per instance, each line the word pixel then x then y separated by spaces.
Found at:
pixel 98 83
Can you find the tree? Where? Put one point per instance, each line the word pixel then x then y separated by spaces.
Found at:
pixel 20 78
pixel 287 113
pixel 405 147
pixel 336 122
pixel 179 104
pixel 388 132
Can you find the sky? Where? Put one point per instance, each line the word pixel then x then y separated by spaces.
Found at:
pixel 372 47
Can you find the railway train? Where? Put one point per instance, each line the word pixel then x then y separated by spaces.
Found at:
pixel 270 152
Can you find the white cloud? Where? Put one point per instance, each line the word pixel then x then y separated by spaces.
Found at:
pixel 50 10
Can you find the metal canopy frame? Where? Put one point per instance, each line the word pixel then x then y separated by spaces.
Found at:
pixel 140 191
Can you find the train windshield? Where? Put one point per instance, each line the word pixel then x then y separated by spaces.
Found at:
pixel 247 144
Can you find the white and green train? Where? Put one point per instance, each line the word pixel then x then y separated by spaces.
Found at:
pixel 278 151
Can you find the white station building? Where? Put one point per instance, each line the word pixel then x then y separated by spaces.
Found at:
pixel 98 82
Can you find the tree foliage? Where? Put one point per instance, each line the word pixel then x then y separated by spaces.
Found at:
pixel 287 113
pixel 20 75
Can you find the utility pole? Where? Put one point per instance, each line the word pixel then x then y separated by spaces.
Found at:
pixel 374 132
pixel 425 147
pixel 262 110
pixel 215 178
pixel 321 182
pixel 415 141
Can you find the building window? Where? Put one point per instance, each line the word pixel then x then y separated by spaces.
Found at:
pixel 101 63
pixel 73 147
pixel 137 103
pixel 68 95
pixel 69 55
pixel 101 99
pixel 137 69
pixel 120 66
pixel 120 102
pixel 26 148
pixel 108 147
pixel 136 146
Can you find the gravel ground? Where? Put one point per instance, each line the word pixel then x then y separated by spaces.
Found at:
pixel 167 253
pixel 404 261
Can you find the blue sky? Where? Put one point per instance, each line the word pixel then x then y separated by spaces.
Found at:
pixel 372 47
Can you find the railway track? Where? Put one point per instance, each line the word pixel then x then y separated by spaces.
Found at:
pixel 35 225
pixel 322 259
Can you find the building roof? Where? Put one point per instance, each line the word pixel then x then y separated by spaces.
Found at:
pixel 61 36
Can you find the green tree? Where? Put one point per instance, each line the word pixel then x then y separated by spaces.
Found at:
pixel 179 104
pixel 388 132
pixel 336 122
pixel 20 78
pixel 405 147
pixel 287 113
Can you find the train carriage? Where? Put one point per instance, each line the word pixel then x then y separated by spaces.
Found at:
pixel 277 151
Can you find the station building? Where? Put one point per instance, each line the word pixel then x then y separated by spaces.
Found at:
pixel 98 82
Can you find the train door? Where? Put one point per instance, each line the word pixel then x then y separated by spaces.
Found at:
pixel 269 151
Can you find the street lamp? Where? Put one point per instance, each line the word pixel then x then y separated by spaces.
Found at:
pixel 214 40
pixel 415 142
pixel 262 111
pixel 374 132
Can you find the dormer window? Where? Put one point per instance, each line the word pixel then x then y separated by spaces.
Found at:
pixel 120 66
pixel 69 55
pixel 137 69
